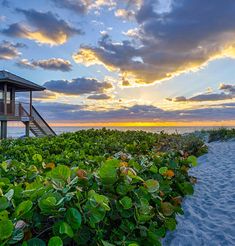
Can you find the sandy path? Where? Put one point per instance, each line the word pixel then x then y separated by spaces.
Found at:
pixel 209 217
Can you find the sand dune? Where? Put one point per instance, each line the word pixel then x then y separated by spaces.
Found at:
pixel 209 217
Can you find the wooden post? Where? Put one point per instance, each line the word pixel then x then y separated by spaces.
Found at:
pixel 13 100
pixel 31 103
pixel 3 129
pixel 5 99
pixel 27 128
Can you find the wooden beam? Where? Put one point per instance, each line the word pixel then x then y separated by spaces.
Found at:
pixel 3 129
pixel 27 129
pixel 31 103
pixel 5 98
pixel 13 100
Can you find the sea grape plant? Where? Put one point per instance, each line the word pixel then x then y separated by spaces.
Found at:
pixel 95 187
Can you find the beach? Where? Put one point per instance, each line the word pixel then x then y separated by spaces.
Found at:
pixel 209 217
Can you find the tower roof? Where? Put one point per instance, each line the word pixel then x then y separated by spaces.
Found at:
pixel 19 83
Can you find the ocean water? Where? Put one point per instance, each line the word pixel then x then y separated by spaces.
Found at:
pixel 15 132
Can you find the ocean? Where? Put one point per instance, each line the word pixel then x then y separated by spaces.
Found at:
pixel 15 132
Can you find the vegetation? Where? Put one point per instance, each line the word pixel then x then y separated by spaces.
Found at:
pixel 95 187
pixel 221 134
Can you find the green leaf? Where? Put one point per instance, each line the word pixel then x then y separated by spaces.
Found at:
pixel 105 243
pixel 126 202
pixel 48 202
pixel 167 208
pixel 163 170
pixel 108 171
pixel 23 208
pixel 55 241
pixel 74 218
pixel 186 188
pixel 193 160
pixel 152 185
pixel 66 229
pixel 36 242
pixel 60 173
pixel 4 215
pixel 153 169
pixel 3 203
pixel 170 224
pixel 6 229
pixel 4 166
pixel 37 158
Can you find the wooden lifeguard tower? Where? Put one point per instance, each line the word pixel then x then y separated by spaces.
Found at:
pixel 11 110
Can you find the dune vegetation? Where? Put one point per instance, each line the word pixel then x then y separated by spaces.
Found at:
pixel 221 134
pixel 94 187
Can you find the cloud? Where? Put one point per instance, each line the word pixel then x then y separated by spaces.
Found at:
pixel 44 28
pixel 228 93
pixel 83 6
pixel 227 88
pixel 81 113
pixel 183 38
pixel 78 86
pixel 9 50
pixel 125 82
pixel 78 6
pixel 37 96
pixel 125 14
pixel 99 97
pixel 55 64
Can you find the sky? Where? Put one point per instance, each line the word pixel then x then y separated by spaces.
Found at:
pixel 149 62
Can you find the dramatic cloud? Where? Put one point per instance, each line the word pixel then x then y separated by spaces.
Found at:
pixel 78 86
pixel 44 28
pixel 99 97
pixel 9 50
pixel 183 38
pixel 228 93
pixel 78 113
pixel 56 64
pixel 82 6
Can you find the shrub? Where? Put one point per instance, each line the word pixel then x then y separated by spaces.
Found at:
pixel 95 187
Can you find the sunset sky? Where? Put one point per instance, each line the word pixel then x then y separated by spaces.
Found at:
pixel 156 61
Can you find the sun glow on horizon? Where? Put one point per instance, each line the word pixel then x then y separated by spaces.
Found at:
pixel 145 124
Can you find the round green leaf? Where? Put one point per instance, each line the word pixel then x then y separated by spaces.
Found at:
pixel 126 202
pixel 152 185
pixel 60 173
pixel 193 160
pixel 55 241
pixel 108 171
pixel 36 242
pixel 37 158
pixel 74 218
pixel 163 170
pixel 167 208
pixel 6 229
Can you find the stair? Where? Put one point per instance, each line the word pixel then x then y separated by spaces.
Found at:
pixel 37 125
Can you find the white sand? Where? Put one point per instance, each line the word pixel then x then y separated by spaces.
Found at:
pixel 209 217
